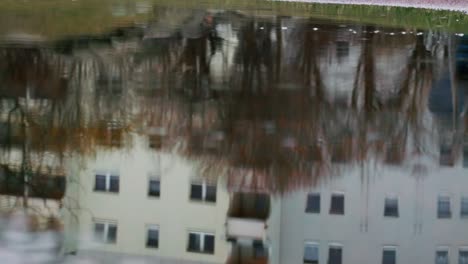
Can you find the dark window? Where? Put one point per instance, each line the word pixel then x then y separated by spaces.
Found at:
pixel 464 207
pixel 105 232
pixel 259 249
pixel 154 188
pixel 391 207
pixel 196 192
pixel 194 244
pixel 209 244
pixel 100 183
pixel 311 253
pixel 210 194
pixel 106 183
pixel 443 207
pixel 203 192
pixel 152 240
pixel 313 203
pixel 389 256
pixel 114 184
pixel 441 257
pixel 99 231
pixel 112 233
pixel 201 243
pixel 337 204
pixel 334 255
pixel 463 257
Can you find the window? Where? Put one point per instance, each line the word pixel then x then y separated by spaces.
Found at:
pixel 152 236
pixel 154 187
pixel 311 252
pixel 335 253
pixel 105 231
pixel 313 203
pixel 337 204
pixel 389 255
pixel 442 256
pixel 391 207
pixel 107 183
pixel 203 192
pixel 114 184
pixel 259 250
pixel 463 256
pixel 443 207
pixel 100 183
pixel 464 207
pixel 201 242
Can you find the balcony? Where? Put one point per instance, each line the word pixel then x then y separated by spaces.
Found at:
pixel 247 215
pixel 245 228
pixel 248 253
pixel 39 185
pixel 250 206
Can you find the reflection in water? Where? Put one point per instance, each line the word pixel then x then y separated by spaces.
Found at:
pixel 213 137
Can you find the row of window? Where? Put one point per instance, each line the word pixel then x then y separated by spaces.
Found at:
pixel 311 253
pixel 198 191
pixel 336 204
pixel 105 231
pixel 444 208
pixel 442 256
pixel 389 254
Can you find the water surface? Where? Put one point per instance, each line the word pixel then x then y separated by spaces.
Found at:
pixel 202 135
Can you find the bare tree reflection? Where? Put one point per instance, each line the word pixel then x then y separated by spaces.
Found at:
pixel 276 120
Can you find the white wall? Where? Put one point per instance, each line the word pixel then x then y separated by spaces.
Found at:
pixel 363 230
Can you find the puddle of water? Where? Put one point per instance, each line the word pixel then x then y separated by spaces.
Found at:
pixel 218 136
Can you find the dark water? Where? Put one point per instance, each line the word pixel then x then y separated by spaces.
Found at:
pixel 209 136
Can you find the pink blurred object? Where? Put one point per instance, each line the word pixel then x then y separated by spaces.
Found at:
pixel 453 5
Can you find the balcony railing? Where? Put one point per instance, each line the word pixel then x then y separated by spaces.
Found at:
pixel 246 228
pixel 248 253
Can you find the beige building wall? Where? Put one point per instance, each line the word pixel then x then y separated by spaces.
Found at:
pixel 133 210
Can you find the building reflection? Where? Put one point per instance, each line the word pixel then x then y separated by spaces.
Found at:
pixel 222 138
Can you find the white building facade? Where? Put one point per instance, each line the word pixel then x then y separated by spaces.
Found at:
pixel 372 211
pixel 116 215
